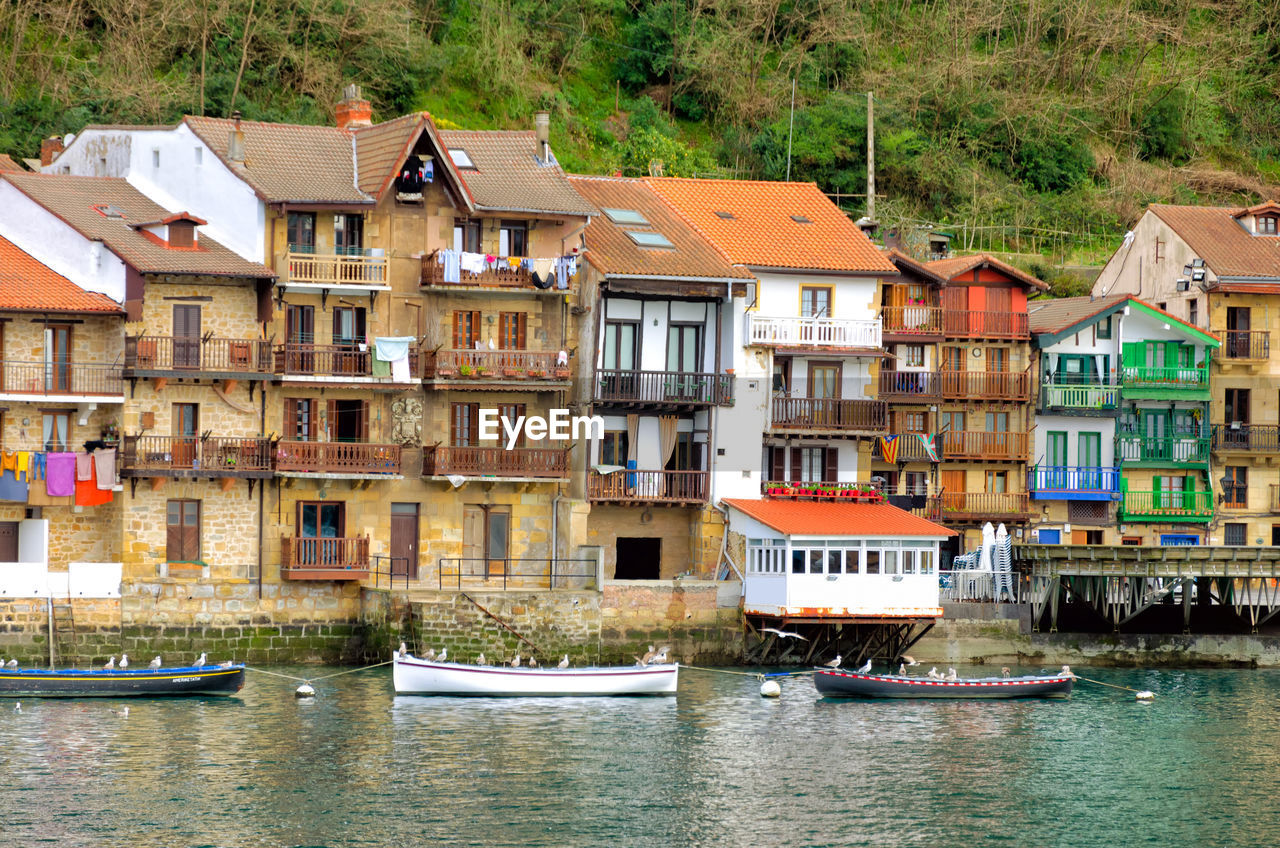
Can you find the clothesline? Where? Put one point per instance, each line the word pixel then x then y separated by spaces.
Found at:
pixel 545 270
pixel 85 477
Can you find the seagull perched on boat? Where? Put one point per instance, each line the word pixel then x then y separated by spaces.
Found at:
pixel 648 655
pixel 909 660
pixel 11 664
pixel 226 664
pixel 783 634
pixel 480 660
pixel 865 667
pixel 533 662
pixel 951 673
pixel 564 663
pixel 933 674
pixel 661 658
pixel 111 663
pixel 404 649
pixel 430 654
pixel 902 670
pixel 515 661
pixel 124 660
pixel 200 661
pixel 835 663
pixel 155 663
pixel 1004 671
pixel 444 654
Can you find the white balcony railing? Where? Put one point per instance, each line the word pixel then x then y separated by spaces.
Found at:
pixel 829 332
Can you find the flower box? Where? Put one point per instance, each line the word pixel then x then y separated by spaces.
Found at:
pixel 562 373
pixel 511 372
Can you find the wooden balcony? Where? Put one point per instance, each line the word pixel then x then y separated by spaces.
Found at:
pixel 448 368
pixel 813 332
pixel 836 415
pixel 1132 447
pixel 663 388
pixel 500 275
pixel 981 324
pixel 335 558
pixel 972 444
pixel 911 321
pixel 147 356
pixel 1246 438
pixel 345 459
pixel 1073 483
pixel 640 487
pixel 910 449
pixel 62 379
pixel 1246 346
pixel 1166 506
pixel 336 363
pixel 1184 382
pixel 330 271
pixel 978 506
pixel 924 386
pixel 986 385
pixel 177 456
pixel 488 462
pixel 1081 397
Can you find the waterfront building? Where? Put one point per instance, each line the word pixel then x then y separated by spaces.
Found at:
pixel 1121 421
pixel 1216 268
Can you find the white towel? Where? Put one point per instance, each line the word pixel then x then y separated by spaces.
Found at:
pixel 400 369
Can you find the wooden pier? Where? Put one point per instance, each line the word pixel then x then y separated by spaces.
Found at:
pixel 817 640
pixel 1121 583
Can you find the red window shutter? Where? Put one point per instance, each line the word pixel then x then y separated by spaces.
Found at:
pixel 521 324
pixel 457 330
pixel 290 418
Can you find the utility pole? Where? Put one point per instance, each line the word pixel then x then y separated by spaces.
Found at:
pixel 791 126
pixel 871 158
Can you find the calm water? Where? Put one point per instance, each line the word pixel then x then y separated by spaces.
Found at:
pixel 717 765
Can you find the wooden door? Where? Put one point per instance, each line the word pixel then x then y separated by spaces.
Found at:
pixel 955 310
pixel 952 490
pixel 404 540
pixel 472 540
pixel 824 393
pixel 186 335
pixel 8 541
pixel 1238 331
pixel 186 434
pixel 57 346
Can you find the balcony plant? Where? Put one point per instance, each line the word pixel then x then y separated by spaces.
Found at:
pixel 510 371
pixel 537 372
pixel 466 370
pixel 562 373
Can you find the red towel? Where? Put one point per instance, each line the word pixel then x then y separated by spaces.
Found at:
pixel 88 493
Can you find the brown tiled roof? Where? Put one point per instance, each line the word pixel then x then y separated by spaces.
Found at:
pixel 762 231
pixel 1219 239
pixel 380 149
pixel 1056 315
pixel 508 175
pixel 907 264
pixel 28 285
pixel 288 162
pixel 957 265
pixel 828 518
pixel 73 199
pixel 7 164
pixel 612 252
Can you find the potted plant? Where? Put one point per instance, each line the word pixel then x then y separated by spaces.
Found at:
pixel 537 372
pixel 466 370
pixel 562 373
pixel 510 370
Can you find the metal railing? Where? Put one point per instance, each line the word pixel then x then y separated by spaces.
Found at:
pixel 214 455
pixel 971 585
pixel 337 457
pixel 1175 378
pixel 1073 479
pixel 1079 395
pixel 1246 344
pixel 822 332
pixel 468 461
pixel 902 385
pixel 905 320
pixel 1246 437
pixel 176 353
pixel 1132 447
pixel 674 387
pixel 1166 505
pixel 829 414
pixel 336 269
pixel 641 485
pixel 324 558
pixel 974 444
pixel 340 360
pixel 985 324
pixel 383 566
pixel 986 385
pixel 523 573
pixel 60 378
pixel 502 364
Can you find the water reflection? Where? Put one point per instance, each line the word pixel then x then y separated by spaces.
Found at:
pixel 716 765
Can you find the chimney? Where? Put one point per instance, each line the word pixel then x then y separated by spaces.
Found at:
pixel 542 130
pixel 49 149
pixel 235 144
pixel 354 111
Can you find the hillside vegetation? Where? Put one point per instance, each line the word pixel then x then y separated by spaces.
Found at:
pixel 1030 118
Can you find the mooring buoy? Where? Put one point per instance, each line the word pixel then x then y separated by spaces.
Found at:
pixel 306 690
pixel 1145 695
pixel 770 689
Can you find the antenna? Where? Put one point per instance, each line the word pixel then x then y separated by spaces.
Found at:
pixel 791 126
pixel 871 158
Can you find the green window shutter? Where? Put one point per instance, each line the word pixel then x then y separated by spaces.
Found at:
pixel 1133 354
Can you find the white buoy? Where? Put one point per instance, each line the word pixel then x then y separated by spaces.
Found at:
pixel 770 689
pixel 1145 695
pixel 306 690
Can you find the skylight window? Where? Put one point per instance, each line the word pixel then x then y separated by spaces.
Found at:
pixel 728 216
pixel 461 158
pixel 800 219
pixel 106 210
pixel 649 239
pixel 626 216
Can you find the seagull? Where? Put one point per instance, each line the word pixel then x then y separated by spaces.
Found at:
pixel 933 674
pixel 226 664
pixel 1004 671
pixel 123 712
pixel 661 658
pixel 902 670
pixel 835 663
pixel 124 660
pixel 11 664
pixel 480 660
pixel 200 662
pixel 533 662
pixel 865 667
pixel 404 649
pixel 909 660
pixel 784 634
pixel 430 654
pixel 155 663
pixel 951 673
pixel 564 663
pixel 17 708
pixel 515 662
pixel 444 654
pixel 111 663
pixel 648 656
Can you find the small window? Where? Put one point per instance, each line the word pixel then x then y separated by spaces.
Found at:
pixel 182 523
pixel 1235 534
pixel 155 157
pixel 199 151
pixel 728 216
pixel 800 219
pixel 649 239
pixel 1131 540
pixel 913 356
pixel 1266 227
pixel 1164 307
pixel 461 158
pixel 625 216
pixel 1193 311
pixel 1104 328
pixel 106 210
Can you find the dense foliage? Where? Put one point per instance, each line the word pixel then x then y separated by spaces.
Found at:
pixel 1060 117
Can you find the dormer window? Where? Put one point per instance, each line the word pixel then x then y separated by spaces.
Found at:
pixel 1266 225
pixel 182 234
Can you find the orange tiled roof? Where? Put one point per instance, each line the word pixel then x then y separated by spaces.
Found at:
pixel 957 265
pixel 508 176
pixel 762 231
pixel 28 285
pixel 832 518
pixel 7 164
pixel 612 252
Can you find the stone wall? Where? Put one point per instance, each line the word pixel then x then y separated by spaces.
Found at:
pixel 228 528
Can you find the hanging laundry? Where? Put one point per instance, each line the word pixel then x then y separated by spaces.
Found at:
pixel 514 262
pixel 61 474
pixel 88 493
pixel 24 459
pixel 472 263
pixel 104 464
pixel 395 349
pixel 9 461
pixel 450 259
pixel 84 465
pixel 37 466
pixel 11 488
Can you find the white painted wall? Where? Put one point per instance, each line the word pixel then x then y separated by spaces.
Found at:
pixel 1073 426
pixel 654 325
pixel 851 297
pixel 80 580
pixel 1134 270
pixel 88 264
pixel 33 540
pixel 855 376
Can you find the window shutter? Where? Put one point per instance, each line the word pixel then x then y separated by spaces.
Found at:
pixel 521 324
pixel 191 530
pixel 313 408
pixel 331 420
pixel 364 421
pixel 796 467
pixel 1133 354
pixel 291 418
pixel 457 330
pixel 831 472
pixel 173 538
pixel 777 467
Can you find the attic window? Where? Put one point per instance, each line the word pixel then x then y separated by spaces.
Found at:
pixel 649 239
pixel 461 158
pixel 728 216
pixel 182 234
pixel 1266 225
pixel 800 219
pixel 626 216
pixel 106 210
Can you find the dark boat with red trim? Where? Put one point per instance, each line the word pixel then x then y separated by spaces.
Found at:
pixel 122 683
pixel 850 684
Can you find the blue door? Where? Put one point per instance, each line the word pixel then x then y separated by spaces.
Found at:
pixel 1179 539
pixel 1050 537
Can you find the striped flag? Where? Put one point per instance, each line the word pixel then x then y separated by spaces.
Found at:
pixel 889 448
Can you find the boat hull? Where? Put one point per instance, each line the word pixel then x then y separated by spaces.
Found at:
pixel 413 676
pixel 846 684
pixel 115 683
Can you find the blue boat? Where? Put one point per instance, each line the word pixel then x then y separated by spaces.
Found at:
pixel 122 683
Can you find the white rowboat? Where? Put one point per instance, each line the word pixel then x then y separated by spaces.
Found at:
pixel 415 676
